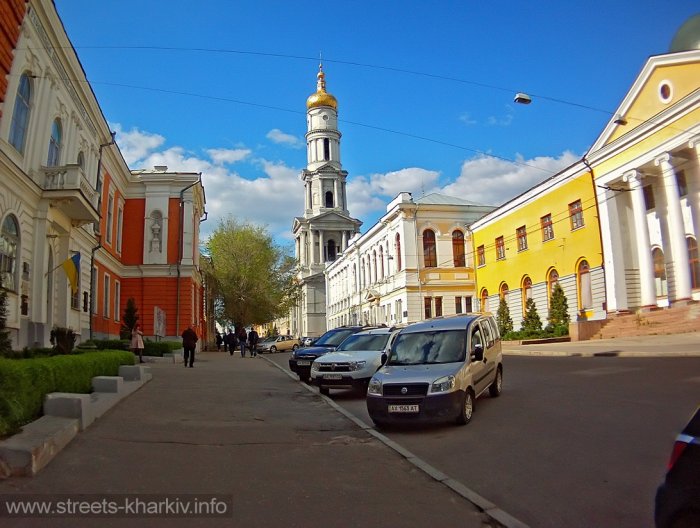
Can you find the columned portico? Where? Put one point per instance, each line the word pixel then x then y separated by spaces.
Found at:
pixel 677 265
pixel 641 228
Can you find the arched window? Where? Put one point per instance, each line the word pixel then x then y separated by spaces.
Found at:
pixel 398 252
pixel 20 115
pixel 503 290
pixel 326 149
pixel 55 144
pixel 694 262
pixel 552 280
pixel 429 251
pixel 458 248
pixel 659 272
pixel 374 266
pixel 9 241
pixel 381 263
pixel 527 292
pixel 584 285
pixel 329 199
pixel 331 250
pixel 81 160
pixel 362 275
pixel 484 300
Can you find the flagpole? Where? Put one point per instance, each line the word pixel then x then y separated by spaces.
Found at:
pixel 61 264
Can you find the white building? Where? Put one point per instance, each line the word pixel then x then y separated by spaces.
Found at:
pixel 415 263
pixel 326 226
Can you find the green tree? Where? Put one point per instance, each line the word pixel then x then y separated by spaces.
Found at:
pixel 559 309
pixel 5 341
pixel 531 321
pixel 254 278
pixel 129 319
pixel 505 322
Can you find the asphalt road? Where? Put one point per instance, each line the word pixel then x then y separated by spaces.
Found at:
pixel 572 441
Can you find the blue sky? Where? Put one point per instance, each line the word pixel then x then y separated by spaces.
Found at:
pixel 425 91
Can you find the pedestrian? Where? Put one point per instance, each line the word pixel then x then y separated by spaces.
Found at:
pixel 231 341
pixel 219 341
pixel 242 337
pixel 189 342
pixel 137 341
pixel 253 342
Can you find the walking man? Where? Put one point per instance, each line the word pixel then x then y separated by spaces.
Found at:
pixel 189 342
pixel 230 342
pixel 242 337
pixel 253 342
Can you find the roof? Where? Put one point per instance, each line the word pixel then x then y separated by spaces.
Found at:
pixel 457 322
pixel 442 199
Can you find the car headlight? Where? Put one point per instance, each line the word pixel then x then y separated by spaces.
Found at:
pixel 375 387
pixel 315 366
pixel 357 365
pixel 444 384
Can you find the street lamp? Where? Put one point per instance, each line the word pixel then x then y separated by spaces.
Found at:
pixel 522 98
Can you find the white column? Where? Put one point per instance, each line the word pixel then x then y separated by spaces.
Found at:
pixel 336 196
pixel 321 242
pixel 693 180
pixel 641 230
pixel 344 240
pixel 679 266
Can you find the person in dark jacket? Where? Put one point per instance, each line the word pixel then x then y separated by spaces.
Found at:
pixel 242 336
pixel 189 342
pixel 231 341
pixel 219 341
pixel 253 342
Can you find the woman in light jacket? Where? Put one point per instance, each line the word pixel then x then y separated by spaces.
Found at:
pixel 137 341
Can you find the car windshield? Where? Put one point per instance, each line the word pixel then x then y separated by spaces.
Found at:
pixel 334 338
pixel 422 348
pixel 364 342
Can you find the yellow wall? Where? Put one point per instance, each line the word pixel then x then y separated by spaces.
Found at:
pixel 563 252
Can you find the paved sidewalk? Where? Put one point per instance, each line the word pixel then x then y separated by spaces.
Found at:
pixel 239 427
pixel 674 345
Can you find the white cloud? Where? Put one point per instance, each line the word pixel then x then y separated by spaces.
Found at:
pixel 467 119
pixel 277 136
pixel 492 181
pixel 222 156
pixel 502 121
pixel 368 194
pixel 136 144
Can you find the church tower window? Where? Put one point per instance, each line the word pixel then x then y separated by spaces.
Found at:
pixel 329 199
pixel 326 149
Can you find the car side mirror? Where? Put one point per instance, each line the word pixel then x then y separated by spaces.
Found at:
pixel 478 354
pixel 384 358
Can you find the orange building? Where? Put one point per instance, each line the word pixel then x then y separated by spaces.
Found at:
pixel 149 251
pixel 11 16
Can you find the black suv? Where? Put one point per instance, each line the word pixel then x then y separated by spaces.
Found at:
pixel 300 362
pixel 678 498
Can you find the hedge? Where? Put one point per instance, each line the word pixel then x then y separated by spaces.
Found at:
pixel 158 348
pixel 25 382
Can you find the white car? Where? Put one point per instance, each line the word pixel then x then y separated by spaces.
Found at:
pixel 354 362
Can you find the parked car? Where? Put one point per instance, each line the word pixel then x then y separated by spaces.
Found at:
pixel 307 340
pixel 278 344
pixel 301 360
pixel 354 362
pixel 435 371
pixel 678 498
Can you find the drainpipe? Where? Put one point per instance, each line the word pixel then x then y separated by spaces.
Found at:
pixel 600 230
pixel 180 237
pixel 98 235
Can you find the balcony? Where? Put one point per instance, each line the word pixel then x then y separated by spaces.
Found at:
pixel 67 189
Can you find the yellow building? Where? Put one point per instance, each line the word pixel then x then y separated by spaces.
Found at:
pixel 546 235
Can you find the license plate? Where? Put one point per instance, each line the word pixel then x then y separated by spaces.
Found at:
pixel 303 363
pixel 403 408
pixel 332 376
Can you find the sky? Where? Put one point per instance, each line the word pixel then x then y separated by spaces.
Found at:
pixel 425 91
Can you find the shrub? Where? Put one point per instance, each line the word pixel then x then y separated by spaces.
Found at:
pixel 503 318
pixel 158 348
pixel 531 321
pixel 63 339
pixel 559 311
pixel 129 319
pixel 110 344
pixel 25 383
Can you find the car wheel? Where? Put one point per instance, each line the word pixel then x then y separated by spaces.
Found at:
pixel 305 379
pixel 295 347
pixel 465 416
pixel 496 387
pixel 273 349
pixel 325 391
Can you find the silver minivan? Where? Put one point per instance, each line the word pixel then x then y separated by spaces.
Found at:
pixel 436 369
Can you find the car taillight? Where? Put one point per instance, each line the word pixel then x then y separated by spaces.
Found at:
pixel 678 449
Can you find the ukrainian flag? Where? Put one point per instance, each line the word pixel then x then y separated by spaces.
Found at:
pixel 72 269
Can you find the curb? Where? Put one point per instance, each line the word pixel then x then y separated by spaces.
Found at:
pixel 65 415
pixel 492 511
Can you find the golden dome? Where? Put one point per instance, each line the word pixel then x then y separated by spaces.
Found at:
pixel 321 97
